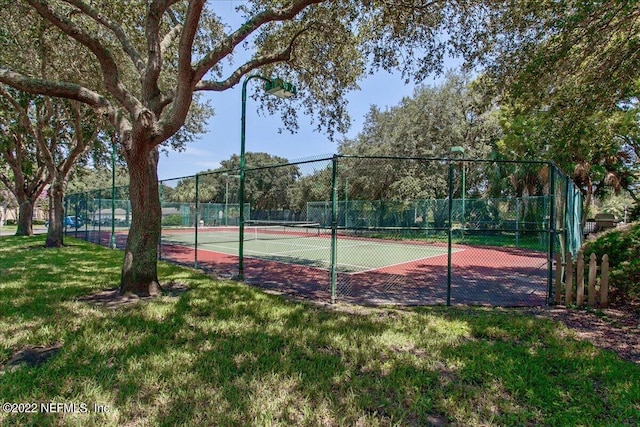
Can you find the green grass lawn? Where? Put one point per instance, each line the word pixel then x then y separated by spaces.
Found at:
pixel 226 354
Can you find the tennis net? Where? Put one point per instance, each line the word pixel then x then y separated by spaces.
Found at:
pixel 253 230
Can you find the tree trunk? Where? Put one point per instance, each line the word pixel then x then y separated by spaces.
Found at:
pixel 25 218
pixel 55 235
pixel 140 270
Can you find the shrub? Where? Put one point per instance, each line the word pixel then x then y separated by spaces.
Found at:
pixel 172 220
pixel 633 214
pixel 623 247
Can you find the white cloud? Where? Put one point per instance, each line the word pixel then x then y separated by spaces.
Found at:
pixel 192 151
pixel 208 165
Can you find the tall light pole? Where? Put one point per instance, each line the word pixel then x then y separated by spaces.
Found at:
pixel 275 87
pixel 460 149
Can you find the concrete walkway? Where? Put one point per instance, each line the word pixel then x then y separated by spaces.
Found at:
pixel 10 232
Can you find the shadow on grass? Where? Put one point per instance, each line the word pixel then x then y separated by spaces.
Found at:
pixel 227 354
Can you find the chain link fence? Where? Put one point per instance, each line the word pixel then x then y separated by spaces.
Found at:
pixel 368 230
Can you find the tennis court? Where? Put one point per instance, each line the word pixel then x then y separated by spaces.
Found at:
pixel 308 245
pixel 346 237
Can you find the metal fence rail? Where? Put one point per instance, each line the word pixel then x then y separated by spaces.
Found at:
pixel 371 230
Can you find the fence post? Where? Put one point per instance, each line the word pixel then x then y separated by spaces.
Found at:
pixel 568 210
pixel 161 202
pixel 334 225
pixel 558 288
pixel 593 268
pixel 580 280
pixel 568 299
pixel 99 217
pixel 604 281
pixel 449 233
pixel 197 219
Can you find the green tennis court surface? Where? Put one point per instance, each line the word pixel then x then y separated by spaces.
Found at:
pixel 306 245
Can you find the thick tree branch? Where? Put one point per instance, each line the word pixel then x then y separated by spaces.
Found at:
pixel 169 38
pixel 23 116
pixel 157 8
pixel 227 45
pixel 44 113
pixel 82 144
pixel 107 63
pixel 117 30
pixel 8 183
pixel 234 78
pixel 256 63
pixel 55 89
pixel 47 151
pixel 184 89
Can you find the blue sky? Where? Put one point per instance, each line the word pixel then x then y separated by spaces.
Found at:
pixel 223 137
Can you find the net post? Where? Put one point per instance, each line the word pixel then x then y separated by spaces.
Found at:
pixel 334 224
pixel 197 220
pixel 449 233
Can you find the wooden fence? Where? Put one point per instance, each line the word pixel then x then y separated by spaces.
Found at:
pixel 575 292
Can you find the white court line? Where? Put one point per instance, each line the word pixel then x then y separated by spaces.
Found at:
pixel 263 259
pixel 364 269
pixel 405 262
pixel 234 253
pixel 297 246
pixel 326 244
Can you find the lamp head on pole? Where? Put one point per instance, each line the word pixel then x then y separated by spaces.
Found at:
pixel 280 88
pixel 458 149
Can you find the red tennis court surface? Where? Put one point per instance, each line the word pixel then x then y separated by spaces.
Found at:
pixel 480 275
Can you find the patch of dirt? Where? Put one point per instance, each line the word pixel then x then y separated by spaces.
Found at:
pixel 111 298
pixel 616 329
pixel 30 357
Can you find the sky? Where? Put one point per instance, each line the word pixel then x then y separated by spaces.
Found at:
pixel 222 139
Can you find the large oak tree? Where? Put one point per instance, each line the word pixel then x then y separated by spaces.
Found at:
pixel 153 56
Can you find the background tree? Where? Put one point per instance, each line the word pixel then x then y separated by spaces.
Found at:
pixel 8 201
pixel 54 133
pixel 85 178
pixel 428 124
pixel 80 131
pixel 569 79
pixel 316 187
pixel 24 120
pixel 266 188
